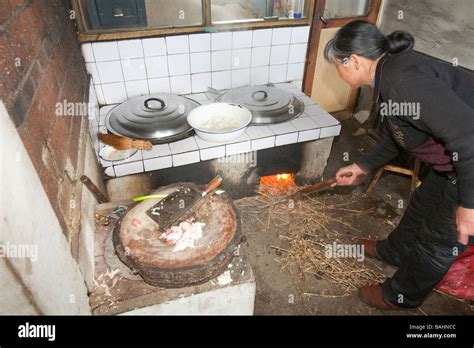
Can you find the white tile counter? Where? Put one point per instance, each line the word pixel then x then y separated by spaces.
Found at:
pixel 315 123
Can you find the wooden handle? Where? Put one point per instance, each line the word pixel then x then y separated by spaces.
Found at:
pixel 99 196
pixel 322 184
pixel 142 144
pixel 213 184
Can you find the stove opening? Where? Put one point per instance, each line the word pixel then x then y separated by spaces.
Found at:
pixel 277 185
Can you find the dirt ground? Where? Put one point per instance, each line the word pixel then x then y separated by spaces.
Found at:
pixel 287 292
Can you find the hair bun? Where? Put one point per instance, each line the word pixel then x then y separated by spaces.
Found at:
pixel 400 41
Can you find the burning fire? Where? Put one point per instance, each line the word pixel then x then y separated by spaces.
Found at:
pixel 277 185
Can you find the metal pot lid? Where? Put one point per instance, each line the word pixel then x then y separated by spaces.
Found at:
pixel 266 103
pixel 158 117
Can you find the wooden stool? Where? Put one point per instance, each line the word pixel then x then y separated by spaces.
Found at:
pixel 414 173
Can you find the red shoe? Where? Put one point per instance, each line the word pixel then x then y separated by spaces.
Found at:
pixel 370 248
pixel 372 296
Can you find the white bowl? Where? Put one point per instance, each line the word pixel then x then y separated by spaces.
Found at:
pixel 219 122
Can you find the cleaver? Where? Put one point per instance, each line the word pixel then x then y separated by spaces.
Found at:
pixel 171 208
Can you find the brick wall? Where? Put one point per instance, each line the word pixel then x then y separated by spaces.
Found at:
pixel 41 64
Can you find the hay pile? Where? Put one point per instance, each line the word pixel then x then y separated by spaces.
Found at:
pixel 307 227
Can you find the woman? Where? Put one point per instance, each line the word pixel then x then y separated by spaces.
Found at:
pixel 427 109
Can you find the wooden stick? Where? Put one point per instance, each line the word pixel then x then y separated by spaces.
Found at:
pixel 99 196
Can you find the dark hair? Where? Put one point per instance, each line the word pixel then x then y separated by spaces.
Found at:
pixel 366 40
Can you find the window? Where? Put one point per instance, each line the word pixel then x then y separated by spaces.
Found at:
pixel 228 11
pixel 107 20
pixel 346 9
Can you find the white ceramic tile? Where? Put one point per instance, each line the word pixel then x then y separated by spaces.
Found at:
pixel 286 139
pixel 109 171
pixel 309 135
pixel 240 78
pixel 241 58
pixel 129 49
pixel 134 69
pixel 186 158
pixel 330 131
pixel 200 62
pixel 200 82
pixel 128 168
pixel 304 123
pixel 87 53
pixel 285 85
pixel 157 163
pixel 282 128
pixel 221 41
pixel 297 53
pixel 325 120
pixel 277 73
pixel 242 39
pixel 260 56
pixel 177 44
pixel 256 132
pixel 110 71
pixel 114 92
pixel 159 150
pixel 221 60
pixel 262 37
pixel 298 84
pixel 234 149
pixel 307 100
pixel 92 69
pixel 159 85
pixel 300 34
pixel 136 88
pixel 154 47
pixel 197 96
pixel 259 75
pixel 104 51
pixel 135 158
pixel 104 110
pixel 200 42
pixel 243 138
pixel 100 94
pixel 178 64
pixel 263 143
pixel 281 36
pixel 185 145
pixel 314 110
pixel 156 66
pixel 212 153
pixel 279 54
pixel 295 71
pixel 222 79
pixel 180 84
pixel 204 144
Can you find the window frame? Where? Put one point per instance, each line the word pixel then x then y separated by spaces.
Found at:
pixel 88 35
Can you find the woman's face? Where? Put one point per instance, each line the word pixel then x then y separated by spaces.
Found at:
pixel 353 71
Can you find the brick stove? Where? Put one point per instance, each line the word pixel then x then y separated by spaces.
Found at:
pixel 298 149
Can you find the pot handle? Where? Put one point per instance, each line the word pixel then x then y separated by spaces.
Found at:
pixel 155 99
pixel 265 95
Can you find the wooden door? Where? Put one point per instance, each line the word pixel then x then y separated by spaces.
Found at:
pixel 321 80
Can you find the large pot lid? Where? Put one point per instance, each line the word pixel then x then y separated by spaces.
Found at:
pixel 267 104
pixel 157 118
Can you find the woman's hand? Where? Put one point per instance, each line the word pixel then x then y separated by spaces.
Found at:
pixel 464 224
pixel 357 177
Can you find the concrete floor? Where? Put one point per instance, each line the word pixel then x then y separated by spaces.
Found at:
pixel 280 292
